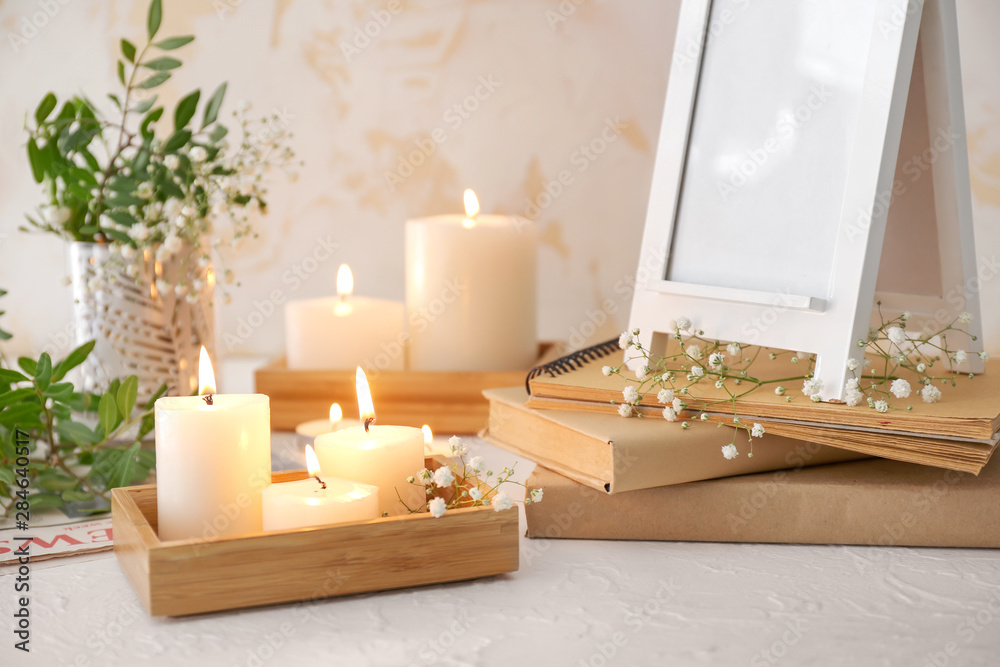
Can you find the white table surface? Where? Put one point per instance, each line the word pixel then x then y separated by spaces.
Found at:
pixel 575 603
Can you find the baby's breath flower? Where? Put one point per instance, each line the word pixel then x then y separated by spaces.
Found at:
pixel 425 475
pixel 733 349
pixel 719 384
pixel 444 477
pixel 984 355
pixel 682 324
pixel 703 417
pixel 607 370
pixel 965 318
pixel 476 464
pixel 852 364
pixel 960 356
pixel 171 162
pixel 630 395
pixel 900 388
pixel 812 386
pixel 730 452
pixel 437 507
pixel 921 367
pixel 779 390
pixel 536 495
pixel 896 335
pixel 625 341
pixel 757 431
pixel 930 394
pixel 816 398
pixel 476 494
pixel 853 397
pixel 716 359
pixel 669 414
pixel 694 351
pixel 643 373
pixel 458 446
pixel 881 406
pixel 697 371
pixel 501 502
pixel 625 410
pixel 678 405
pixel 665 396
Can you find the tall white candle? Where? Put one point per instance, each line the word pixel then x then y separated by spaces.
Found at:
pixel 213 458
pixel 321 499
pixel 336 333
pixel 383 456
pixel 470 292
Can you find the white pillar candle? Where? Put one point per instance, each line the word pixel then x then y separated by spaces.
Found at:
pixel 336 333
pixel 310 429
pixel 317 501
pixel 470 292
pixel 213 458
pixel 383 456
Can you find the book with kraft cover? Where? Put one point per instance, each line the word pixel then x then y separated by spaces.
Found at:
pixel 612 454
pixel 874 502
pixel 959 433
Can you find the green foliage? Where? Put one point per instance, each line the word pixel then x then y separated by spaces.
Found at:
pixel 81 157
pixel 71 459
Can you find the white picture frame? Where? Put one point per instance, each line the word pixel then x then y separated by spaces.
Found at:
pixel 721 262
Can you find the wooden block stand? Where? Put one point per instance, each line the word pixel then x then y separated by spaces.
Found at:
pixel 451 403
pixel 185 577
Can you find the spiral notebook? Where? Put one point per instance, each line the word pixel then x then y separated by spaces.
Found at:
pixel 959 433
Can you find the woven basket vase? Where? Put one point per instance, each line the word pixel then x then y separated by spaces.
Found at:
pixel 139 331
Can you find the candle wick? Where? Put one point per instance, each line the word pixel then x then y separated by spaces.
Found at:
pixel 368 422
pixel 321 482
pixel 208 399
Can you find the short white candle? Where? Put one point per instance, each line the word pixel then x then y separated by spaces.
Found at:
pixel 383 456
pixel 213 458
pixel 335 333
pixel 310 429
pixel 317 501
pixel 470 292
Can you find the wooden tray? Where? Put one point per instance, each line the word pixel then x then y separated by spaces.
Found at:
pixel 185 577
pixel 450 403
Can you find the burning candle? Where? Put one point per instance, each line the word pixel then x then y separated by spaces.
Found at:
pixel 310 429
pixel 318 500
pixel 341 332
pixel 383 456
pixel 213 458
pixel 471 279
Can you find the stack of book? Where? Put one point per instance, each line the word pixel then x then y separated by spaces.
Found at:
pixel 811 478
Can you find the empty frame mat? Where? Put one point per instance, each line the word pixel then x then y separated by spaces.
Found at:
pixel 770 145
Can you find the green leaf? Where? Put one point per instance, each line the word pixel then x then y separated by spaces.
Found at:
pixel 16 396
pixel 161 391
pixel 146 105
pixel 213 106
pixel 74 495
pixel 43 371
pixel 124 201
pixel 122 218
pixel 28 365
pixel 59 391
pixel 154 81
pixel 7 475
pixel 51 480
pixel 176 140
pixel 9 376
pixel 45 107
pixel 21 415
pixel 127 395
pixel 107 412
pixel 76 432
pixel 154 18
pixel 162 64
pixel 116 235
pixel 72 360
pixel 128 50
pixel 218 132
pixel 37 500
pixel 121 72
pixel 123 473
pixel 172 43
pixel 35 158
pixel 185 110
pixel 150 118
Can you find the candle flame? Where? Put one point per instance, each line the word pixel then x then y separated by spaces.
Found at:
pixel 366 409
pixel 345 281
pixel 336 414
pixel 471 204
pixel 206 376
pixel 312 463
pixel 428 434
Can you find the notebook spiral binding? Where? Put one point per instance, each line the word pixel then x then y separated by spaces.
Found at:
pixel 572 361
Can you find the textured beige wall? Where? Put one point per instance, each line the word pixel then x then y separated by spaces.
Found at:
pixel 553 87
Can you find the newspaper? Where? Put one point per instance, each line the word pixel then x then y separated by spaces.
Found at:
pixel 55 535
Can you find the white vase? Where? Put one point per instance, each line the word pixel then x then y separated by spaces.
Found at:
pixel 138 330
